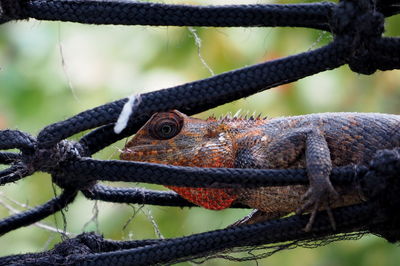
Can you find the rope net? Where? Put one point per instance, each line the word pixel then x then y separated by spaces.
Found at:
pixel 357 28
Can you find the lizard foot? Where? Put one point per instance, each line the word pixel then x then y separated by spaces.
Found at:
pixel 318 199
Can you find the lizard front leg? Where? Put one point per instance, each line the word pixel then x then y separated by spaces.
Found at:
pixel 318 163
pixel 303 147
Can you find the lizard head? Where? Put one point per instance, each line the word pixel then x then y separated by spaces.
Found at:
pixel 176 139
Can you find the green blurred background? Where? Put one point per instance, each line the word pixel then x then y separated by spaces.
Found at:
pixel 51 71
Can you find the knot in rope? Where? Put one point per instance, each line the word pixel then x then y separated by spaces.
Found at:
pixel 49 160
pixel 381 177
pixel 10 10
pixel 359 22
pixel 383 185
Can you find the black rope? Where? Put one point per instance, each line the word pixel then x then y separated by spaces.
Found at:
pixel 8 171
pixel 85 168
pixel 11 10
pixel 219 240
pixel 9 157
pixel 154 14
pixel 140 196
pixel 10 139
pixel 170 250
pixel 388 7
pixel 83 244
pixel 34 215
pixel 357 27
pixel 198 96
pixel 136 195
pixel 13 173
pixel 313 15
pixel 388 46
pixel 381 182
pixel 353 44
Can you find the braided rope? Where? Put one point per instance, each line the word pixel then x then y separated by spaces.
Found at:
pixel 148 252
pixel 136 13
pixel 202 95
pixel 10 139
pixel 136 195
pixel 9 157
pixel 36 214
pixel 357 27
pixel 140 196
pixel 154 14
pixel 126 171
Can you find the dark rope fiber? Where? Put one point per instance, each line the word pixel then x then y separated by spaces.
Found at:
pixel 198 96
pixel 140 196
pixel 114 170
pixel 155 14
pixel 357 27
pixel 313 15
pixel 170 250
pixel 9 157
pixel 13 173
pixel 34 215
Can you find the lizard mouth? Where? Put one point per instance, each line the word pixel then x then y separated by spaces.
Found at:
pixel 145 153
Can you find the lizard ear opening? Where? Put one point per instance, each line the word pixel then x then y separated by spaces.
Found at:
pixel 214 129
pixel 165 125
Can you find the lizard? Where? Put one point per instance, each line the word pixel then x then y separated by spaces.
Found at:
pixel 316 142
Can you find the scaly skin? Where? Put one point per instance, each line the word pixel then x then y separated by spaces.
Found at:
pixel 316 142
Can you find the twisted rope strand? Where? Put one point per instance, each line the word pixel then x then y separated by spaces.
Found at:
pixel 31 216
pixel 127 171
pixel 9 157
pixel 357 27
pixel 15 139
pixel 140 196
pixel 135 13
pixel 13 173
pixel 198 96
pixel 286 229
pixel 136 195
pixel 156 14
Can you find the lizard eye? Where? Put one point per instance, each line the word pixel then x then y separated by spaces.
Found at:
pixel 165 126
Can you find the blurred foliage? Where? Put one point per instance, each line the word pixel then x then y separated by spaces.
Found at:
pixel 51 71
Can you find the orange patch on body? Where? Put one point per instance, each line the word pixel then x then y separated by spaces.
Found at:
pixel 209 198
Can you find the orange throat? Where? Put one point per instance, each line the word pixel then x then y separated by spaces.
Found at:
pixel 209 198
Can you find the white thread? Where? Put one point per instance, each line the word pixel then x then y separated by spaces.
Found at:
pixel 197 41
pixel 129 108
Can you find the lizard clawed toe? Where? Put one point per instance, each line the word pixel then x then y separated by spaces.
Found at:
pixel 317 199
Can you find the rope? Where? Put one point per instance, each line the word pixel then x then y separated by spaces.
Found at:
pixel 38 213
pixel 126 171
pixel 202 95
pixel 154 14
pixel 357 27
pixel 90 249
pixel 155 251
pixel 9 157
pixel 11 10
